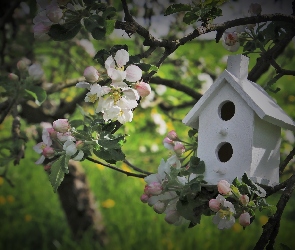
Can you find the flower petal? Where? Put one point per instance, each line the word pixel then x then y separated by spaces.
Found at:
pixel 84 85
pixel 133 73
pixel 121 57
pixel 79 156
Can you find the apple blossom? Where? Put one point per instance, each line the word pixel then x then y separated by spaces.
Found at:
pixel 71 149
pixel 48 152
pixel 38 148
pixel 214 205
pixel 244 199
pixel 143 88
pixel 36 72
pixel 168 143
pixel 224 217
pixel 23 64
pixel 61 125
pixel 172 135
pixel 231 41
pixel 178 148
pixel 223 187
pixel 174 161
pixel 13 77
pixel 65 136
pixel 144 198
pixel 154 188
pixel 159 207
pixel 48 134
pixel 91 74
pixel 244 219
pixel 53 12
pixel 115 68
pixel 172 217
pixel 95 92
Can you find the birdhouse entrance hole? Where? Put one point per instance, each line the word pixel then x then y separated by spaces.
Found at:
pixel 224 152
pixel 227 110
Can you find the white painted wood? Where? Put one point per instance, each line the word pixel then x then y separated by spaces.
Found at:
pixel 253 132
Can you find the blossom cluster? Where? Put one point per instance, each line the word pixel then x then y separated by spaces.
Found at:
pixel 225 210
pixel 57 139
pixel 117 100
pixel 231 40
pixel 49 14
pixel 157 192
pixel 26 68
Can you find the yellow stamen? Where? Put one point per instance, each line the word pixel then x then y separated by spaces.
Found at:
pixel 92 98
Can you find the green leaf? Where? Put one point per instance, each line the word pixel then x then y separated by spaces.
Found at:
pixel 178 7
pixel 110 143
pixel 249 46
pixel 76 123
pixel 98 33
pixel 64 32
pixel 192 132
pixel 109 13
pixel 147 67
pixel 254 187
pixel 92 22
pixel 134 59
pixel 101 56
pixel 58 170
pixel 110 26
pixel 37 93
pixel 190 18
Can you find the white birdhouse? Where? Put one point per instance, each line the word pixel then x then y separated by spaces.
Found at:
pixel 239 127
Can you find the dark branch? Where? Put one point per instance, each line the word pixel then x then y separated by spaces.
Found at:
pixel 117 169
pixel 178 86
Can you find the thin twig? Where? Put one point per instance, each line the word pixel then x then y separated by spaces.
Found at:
pixel 136 168
pixel 117 169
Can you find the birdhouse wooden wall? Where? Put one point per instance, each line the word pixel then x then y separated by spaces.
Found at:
pixel 239 127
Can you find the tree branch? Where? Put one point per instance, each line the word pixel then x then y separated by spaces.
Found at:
pixel 175 85
pixel 117 169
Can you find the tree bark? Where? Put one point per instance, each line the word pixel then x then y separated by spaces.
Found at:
pixel 79 205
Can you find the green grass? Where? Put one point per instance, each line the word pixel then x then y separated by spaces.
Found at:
pixel 32 218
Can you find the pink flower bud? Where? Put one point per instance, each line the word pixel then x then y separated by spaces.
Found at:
pixel 172 217
pixel 244 219
pixel 224 187
pixel 79 144
pixel 54 13
pixel 91 74
pixel 48 152
pixel 40 29
pixel 172 135
pixel 179 148
pixel 144 198
pixel 254 9
pixel 159 207
pixel 154 188
pixel 214 205
pixel 168 143
pixel 52 133
pixel 244 199
pixel 22 65
pixel 143 89
pixel 230 38
pixel 13 77
pixel 61 125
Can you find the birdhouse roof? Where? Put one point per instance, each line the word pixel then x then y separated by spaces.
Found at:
pixel 253 94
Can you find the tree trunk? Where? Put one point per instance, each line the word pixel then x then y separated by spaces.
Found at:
pixel 79 205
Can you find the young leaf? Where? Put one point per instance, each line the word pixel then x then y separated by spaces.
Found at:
pixel 58 169
pixel 64 32
pixel 110 26
pixel 178 7
pixel 98 33
pixel 38 93
pixel 190 18
pixel 109 13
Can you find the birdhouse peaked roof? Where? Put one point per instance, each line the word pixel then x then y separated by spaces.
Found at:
pixel 253 94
